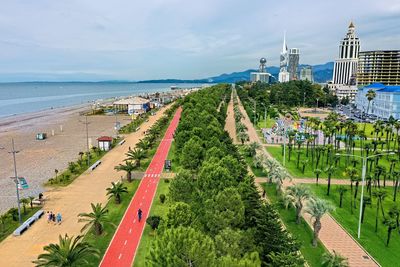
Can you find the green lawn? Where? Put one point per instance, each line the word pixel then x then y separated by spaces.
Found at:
pixel 258 172
pixel 10 225
pixel 373 242
pixel 270 123
pixel 159 209
pixel 276 152
pixel 302 231
pixel 116 212
pixel 368 128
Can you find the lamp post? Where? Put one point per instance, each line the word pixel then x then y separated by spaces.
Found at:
pixel 13 151
pixel 265 115
pixel 363 173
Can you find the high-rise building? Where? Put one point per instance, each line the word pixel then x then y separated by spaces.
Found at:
pixel 294 56
pixel 345 67
pixel 283 73
pixel 379 67
pixel 306 73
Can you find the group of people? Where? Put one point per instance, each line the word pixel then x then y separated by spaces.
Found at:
pixel 52 217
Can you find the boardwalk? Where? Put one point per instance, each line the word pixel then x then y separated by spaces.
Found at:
pixel 124 244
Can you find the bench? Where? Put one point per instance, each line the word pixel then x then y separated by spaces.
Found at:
pixel 95 165
pixel 121 142
pixel 28 223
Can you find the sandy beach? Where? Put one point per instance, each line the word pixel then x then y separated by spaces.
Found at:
pixel 37 160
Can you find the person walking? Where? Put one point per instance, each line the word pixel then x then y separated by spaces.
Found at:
pixel 139 213
pixel 59 218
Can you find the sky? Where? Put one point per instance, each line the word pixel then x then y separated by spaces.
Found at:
pixel 92 40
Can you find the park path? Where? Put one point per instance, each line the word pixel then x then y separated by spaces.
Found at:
pixel 230 126
pixel 90 187
pixel 332 235
pixel 122 249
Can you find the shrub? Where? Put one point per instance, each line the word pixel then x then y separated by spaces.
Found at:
pixel 162 198
pixel 166 181
pixel 153 221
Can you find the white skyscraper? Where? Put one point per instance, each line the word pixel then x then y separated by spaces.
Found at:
pixel 346 65
pixel 283 73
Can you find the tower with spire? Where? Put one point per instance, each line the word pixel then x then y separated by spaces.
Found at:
pixel 283 73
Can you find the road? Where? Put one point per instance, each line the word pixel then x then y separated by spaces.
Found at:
pixel 122 249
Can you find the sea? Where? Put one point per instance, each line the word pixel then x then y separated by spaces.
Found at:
pixel 20 98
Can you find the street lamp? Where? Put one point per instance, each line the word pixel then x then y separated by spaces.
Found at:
pixel 265 115
pixel 13 151
pixel 364 169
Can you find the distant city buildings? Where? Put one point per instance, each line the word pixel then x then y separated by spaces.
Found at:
pixel 379 67
pixel 345 69
pixel 306 74
pixel 262 75
pixel 385 104
pixel 293 66
pixel 283 73
pixel 289 63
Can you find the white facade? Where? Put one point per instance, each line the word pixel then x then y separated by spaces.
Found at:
pixel 260 77
pixel 343 91
pixel 345 69
pixel 385 104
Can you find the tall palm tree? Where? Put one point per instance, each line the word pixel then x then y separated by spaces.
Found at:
pixel 96 219
pixel 69 251
pixel 317 208
pixel 116 190
pixel 143 144
pixel 128 168
pixel 137 155
pixel 334 260
pixel 243 137
pixel 317 172
pixel 329 170
pixel 371 94
pixel 297 194
pixel 253 147
pixel 391 224
pixel 342 190
pixel 380 196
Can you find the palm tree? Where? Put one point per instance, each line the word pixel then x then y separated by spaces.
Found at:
pixel 97 218
pixel 3 219
pixel 137 155
pixel 317 208
pixel 391 224
pixel 380 196
pixel 128 168
pixel 317 173
pixel 31 198
pixel 366 201
pixel 69 251
pixel 342 190
pixel 143 144
pixel 243 137
pixel 329 170
pixel 24 202
pixel 253 147
pixel 371 94
pixel 304 163
pixel 116 190
pixel 297 194
pixel 334 260
pixel 56 172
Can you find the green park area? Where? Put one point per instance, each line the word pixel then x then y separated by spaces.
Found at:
pixel 302 232
pixel 265 123
pixel 380 208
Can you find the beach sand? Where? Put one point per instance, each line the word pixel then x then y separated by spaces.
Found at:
pixel 37 160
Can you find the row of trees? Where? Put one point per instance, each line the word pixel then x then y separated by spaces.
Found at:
pixel 241 129
pixel 217 218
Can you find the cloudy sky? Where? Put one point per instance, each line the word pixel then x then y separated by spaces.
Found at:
pixel 136 40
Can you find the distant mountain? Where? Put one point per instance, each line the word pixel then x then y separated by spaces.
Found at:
pixel 322 73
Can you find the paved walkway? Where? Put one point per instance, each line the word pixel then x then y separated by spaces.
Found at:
pixel 230 125
pixel 88 188
pixel 122 249
pixel 332 235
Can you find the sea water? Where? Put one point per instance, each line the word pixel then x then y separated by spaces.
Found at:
pixel 19 98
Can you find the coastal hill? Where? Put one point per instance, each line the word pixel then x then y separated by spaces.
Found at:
pixel 322 73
